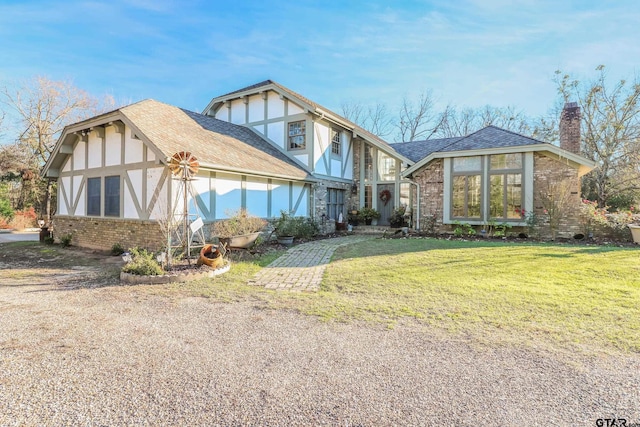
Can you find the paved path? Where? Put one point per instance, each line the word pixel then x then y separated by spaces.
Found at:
pixel 302 266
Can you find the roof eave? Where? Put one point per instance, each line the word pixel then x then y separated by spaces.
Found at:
pixel 242 171
pixel 584 165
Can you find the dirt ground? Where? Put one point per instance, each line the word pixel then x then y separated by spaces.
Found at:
pixel 76 348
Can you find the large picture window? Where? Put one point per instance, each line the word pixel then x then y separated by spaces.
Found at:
pixel 506 186
pixel 467 188
pixel 93 196
pixel 297 132
pixel 112 196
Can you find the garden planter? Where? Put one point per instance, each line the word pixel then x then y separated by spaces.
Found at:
pixel 244 241
pixel 285 240
pixel 635 233
pixel 210 255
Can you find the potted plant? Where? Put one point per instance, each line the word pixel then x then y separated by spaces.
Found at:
pixel 240 230
pixel 367 215
pixel 635 232
pixel 285 228
pixel 397 218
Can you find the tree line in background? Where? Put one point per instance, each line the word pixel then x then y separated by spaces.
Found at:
pixel 34 113
pixel 610 128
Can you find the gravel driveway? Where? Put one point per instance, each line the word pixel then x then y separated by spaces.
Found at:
pixel 116 356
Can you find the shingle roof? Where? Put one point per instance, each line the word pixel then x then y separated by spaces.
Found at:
pixel 488 137
pixel 416 150
pixel 212 141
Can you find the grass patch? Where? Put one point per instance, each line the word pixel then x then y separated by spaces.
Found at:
pixel 584 298
pixel 570 295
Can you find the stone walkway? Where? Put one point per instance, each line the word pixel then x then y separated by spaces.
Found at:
pixel 302 266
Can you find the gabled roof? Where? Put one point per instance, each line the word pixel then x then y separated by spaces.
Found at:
pixel 310 106
pixel 215 143
pixel 488 140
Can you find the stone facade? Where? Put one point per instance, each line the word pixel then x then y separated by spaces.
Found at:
pixel 431 183
pixel 555 180
pixel 102 234
pixel 550 176
pixel 320 193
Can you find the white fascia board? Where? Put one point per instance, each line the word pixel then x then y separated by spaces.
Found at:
pixel 248 172
pixel 579 161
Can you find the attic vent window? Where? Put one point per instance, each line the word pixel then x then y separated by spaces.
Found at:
pixel 297 139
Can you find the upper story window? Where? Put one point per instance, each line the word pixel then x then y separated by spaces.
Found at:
pixel 386 167
pixel 297 131
pixel 335 142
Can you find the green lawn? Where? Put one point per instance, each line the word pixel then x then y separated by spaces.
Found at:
pixel 584 298
pixel 577 298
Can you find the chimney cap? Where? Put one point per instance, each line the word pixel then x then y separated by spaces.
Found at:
pixel 570 105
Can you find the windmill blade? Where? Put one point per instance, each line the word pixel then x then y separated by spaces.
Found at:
pixel 184 163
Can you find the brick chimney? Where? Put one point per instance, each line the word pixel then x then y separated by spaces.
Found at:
pixel 570 127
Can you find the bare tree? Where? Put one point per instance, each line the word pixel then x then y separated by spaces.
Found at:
pixel 610 133
pixel 418 120
pixel 463 122
pixel 375 118
pixel 42 108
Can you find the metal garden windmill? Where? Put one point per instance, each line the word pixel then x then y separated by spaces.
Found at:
pixel 184 166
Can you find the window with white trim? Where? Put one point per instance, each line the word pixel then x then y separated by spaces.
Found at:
pixel 335 142
pixel 297 135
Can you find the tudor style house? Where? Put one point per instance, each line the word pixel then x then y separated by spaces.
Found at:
pixel 268 149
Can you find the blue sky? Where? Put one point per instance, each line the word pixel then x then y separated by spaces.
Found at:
pixel 469 53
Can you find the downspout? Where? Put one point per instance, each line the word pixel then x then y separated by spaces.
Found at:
pixel 417 224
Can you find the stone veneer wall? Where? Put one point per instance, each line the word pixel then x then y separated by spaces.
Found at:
pixel 102 233
pixel 320 190
pixel 431 182
pixel 551 171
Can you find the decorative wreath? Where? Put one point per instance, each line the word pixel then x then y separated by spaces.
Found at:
pixel 385 196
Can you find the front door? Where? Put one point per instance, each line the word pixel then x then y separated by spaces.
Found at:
pixel 386 194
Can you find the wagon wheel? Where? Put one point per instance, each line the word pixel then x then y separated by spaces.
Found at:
pixel 185 163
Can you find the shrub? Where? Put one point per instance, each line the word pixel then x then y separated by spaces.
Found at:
pixel 398 218
pixel 142 263
pixel 367 214
pixel 5 209
pixel 117 249
pixel 300 227
pixel 65 240
pixel 239 222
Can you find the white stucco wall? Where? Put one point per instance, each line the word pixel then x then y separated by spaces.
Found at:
pixel 257 197
pixel 133 149
pixel 238 112
pixel 275 106
pixel 113 147
pixel 256 108
pixel 79 153
pixel 94 151
pixel 228 193
pixel 275 132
